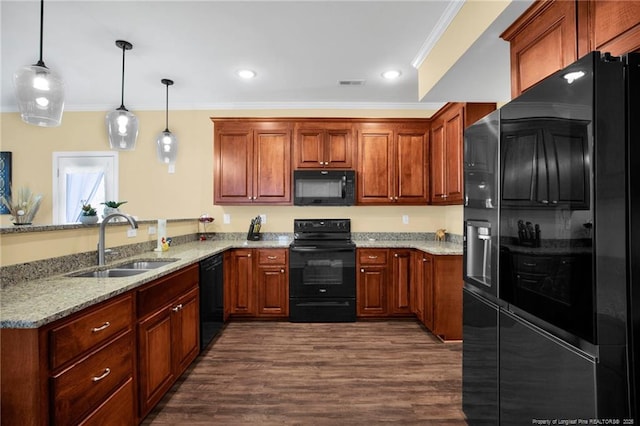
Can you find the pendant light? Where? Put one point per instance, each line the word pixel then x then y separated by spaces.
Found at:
pixel 39 91
pixel 167 143
pixel 122 125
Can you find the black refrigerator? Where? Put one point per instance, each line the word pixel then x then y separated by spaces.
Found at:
pixel 551 250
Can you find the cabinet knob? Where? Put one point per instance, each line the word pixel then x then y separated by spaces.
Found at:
pixel 395 198
pixel 391 198
pixel 395 255
pixel 544 201
pixel 107 371
pixel 177 307
pixel 282 271
pixel 361 269
pixel 249 255
pixel 102 327
pixel 424 259
pixel 249 197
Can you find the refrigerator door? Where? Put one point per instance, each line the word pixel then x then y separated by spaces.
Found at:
pixel 541 377
pixel 479 359
pixel 480 204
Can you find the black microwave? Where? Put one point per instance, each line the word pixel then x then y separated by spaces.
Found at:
pixel 324 187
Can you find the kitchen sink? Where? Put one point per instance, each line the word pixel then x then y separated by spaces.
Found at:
pixel 146 264
pixel 110 273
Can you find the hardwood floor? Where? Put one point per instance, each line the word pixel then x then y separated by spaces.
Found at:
pixel 362 373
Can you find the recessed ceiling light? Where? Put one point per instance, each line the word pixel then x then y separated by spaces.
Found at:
pixel 247 74
pixel 391 74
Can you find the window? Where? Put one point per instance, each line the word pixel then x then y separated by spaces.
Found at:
pixel 91 177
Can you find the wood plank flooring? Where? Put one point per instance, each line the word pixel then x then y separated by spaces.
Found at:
pixel 362 373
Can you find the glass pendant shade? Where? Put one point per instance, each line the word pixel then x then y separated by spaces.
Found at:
pixel 122 127
pixel 167 143
pixel 167 146
pixel 39 91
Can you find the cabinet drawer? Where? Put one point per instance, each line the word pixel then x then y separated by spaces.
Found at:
pixel 372 257
pixel 165 290
pixel 90 330
pixel 80 389
pixel 272 257
pixel 118 409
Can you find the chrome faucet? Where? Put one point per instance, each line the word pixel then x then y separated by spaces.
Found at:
pixel 103 225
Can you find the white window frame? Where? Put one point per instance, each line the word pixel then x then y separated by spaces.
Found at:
pixel 88 158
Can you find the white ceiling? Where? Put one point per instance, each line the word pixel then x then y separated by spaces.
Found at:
pixel 299 49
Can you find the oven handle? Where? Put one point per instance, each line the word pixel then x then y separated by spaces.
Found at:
pixel 314 249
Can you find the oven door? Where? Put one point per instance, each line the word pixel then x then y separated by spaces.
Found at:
pixel 322 272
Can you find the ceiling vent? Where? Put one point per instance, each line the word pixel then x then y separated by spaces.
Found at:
pixel 351 82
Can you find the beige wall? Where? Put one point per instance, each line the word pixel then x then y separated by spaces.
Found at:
pixel 153 193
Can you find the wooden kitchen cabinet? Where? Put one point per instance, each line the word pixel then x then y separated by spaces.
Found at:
pixel 417 290
pixel 322 144
pixel 272 280
pixel 239 288
pixel 400 282
pixel 256 283
pixel 252 162
pixel 393 162
pixel 168 333
pixel 442 284
pixel 69 371
pixel 447 144
pixel 552 34
pixel 372 282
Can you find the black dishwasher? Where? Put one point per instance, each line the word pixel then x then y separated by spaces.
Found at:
pixel 211 299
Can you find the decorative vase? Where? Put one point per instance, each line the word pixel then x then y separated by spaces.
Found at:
pixel 88 220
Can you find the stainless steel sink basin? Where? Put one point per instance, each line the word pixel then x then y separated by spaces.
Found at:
pixel 146 264
pixel 110 273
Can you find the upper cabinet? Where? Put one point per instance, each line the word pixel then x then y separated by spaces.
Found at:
pixel 252 162
pixel 447 149
pixel 393 162
pixel 552 34
pixel 323 144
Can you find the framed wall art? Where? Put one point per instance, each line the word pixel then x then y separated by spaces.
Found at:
pixel 5 178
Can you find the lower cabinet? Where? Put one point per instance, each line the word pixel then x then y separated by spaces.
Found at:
pixel 372 282
pixel 168 333
pixel 256 283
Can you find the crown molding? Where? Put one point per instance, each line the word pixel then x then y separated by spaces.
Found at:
pixel 441 26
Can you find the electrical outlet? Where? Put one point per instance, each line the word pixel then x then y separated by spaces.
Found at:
pixel 405 219
pixel 172 168
pixel 132 233
pixel 263 218
pixel 226 219
pixel 152 230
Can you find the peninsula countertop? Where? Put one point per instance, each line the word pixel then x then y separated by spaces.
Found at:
pixel 32 304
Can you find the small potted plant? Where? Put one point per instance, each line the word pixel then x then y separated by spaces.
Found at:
pixel 89 215
pixel 111 207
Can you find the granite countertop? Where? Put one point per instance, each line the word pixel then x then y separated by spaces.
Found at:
pixel 32 304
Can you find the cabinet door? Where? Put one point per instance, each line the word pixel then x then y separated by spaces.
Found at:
pixel 372 291
pixel 339 147
pixel 542 41
pixel 417 285
pixel 375 168
pixel 453 157
pixel 309 149
pixel 155 359
pixel 233 180
pixel 239 289
pixel 400 283
pixel 438 163
pixel 427 275
pixel 411 156
pixel 612 26
pixel 323 145
pixel 273 291
pixel 186 330
pixel 272 163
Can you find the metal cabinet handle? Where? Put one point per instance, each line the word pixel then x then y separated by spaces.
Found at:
pixel 529 264
pixel 272 257
pixel 373 257
pixel 102 327
pixel 544 201
pixel 177 307
pixel 107 371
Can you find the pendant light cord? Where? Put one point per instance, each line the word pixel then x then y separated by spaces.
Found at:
pixel 122 92
pixel 166 111
pixel 40 62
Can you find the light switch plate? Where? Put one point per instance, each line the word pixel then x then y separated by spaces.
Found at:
pixel 172 168
pixel 405 219
pixel 226 219
pixel 263 218
pixel 152 230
